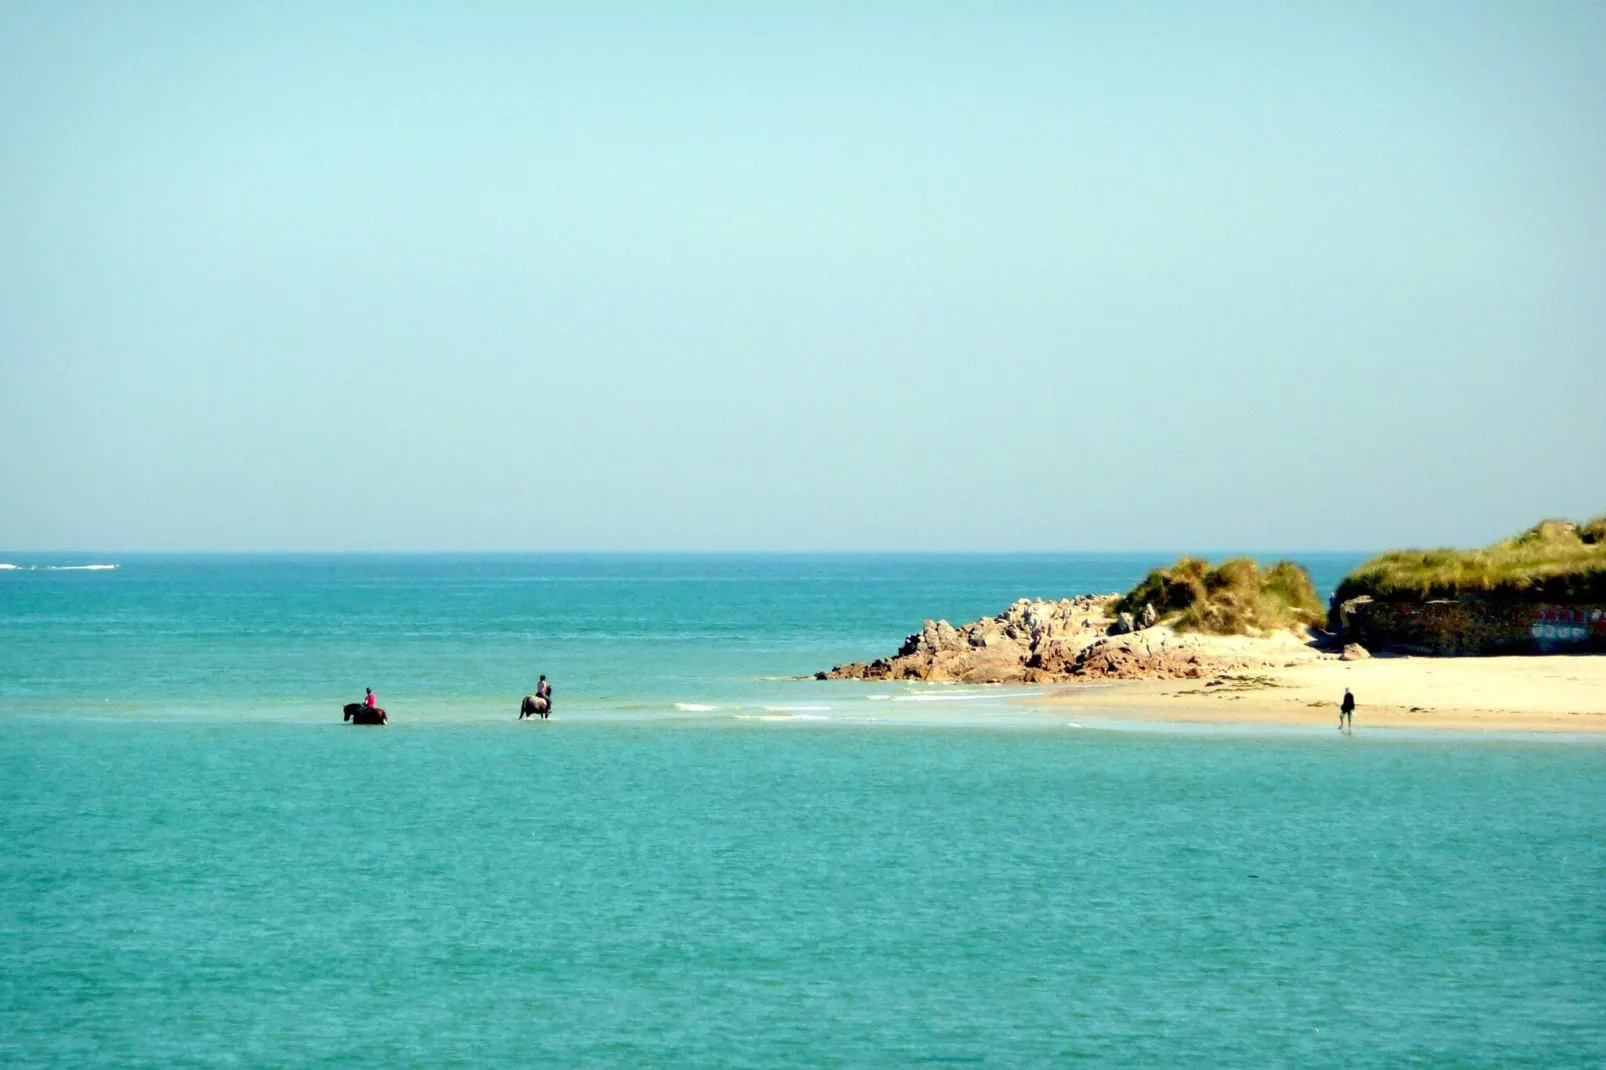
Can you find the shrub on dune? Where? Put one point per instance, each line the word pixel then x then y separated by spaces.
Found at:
pixel 1553 561
pixel 1233 598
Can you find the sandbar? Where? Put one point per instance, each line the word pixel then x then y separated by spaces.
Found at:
pixel 1561 693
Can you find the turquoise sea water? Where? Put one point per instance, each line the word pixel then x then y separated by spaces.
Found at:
pixel 200 866
pixel 464 637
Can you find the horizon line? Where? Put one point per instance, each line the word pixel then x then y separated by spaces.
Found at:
pixel 680 553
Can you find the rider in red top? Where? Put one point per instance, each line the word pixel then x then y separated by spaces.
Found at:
pixel 369 700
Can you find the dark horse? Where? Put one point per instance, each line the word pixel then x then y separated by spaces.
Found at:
pixel 357 713
pixel 535 706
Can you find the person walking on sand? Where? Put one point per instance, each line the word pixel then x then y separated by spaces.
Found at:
pixel 1346 712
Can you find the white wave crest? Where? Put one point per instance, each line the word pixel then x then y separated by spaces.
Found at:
pixel 936 698
pixel 695 707
pixel 794 709
pixel 780 717
pixel 987 696
pixel 54 568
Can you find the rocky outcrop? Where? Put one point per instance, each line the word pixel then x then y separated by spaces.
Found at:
pixel 1041 642
pixel 1027 640
pixel 1140 657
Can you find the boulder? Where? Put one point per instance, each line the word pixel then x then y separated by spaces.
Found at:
pixel 1029 640
pixel 1127 658
pixel 1047 641
pixel 1354 652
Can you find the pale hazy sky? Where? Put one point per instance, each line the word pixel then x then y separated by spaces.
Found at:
pixel 861 276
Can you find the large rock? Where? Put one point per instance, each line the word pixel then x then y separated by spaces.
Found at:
pixel 1123 658
pixel 1068 640
pixel 1040 641
pixel 1031 640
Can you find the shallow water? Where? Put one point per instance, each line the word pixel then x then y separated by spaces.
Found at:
pixel 751 894
pixel 903 882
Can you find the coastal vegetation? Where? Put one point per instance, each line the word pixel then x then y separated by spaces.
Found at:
pixel 1235 597
pixel 1553 561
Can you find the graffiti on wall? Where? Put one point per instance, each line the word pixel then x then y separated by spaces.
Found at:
pixel 1555 627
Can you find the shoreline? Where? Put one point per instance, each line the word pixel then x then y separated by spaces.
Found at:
pixel 1287 685
pixel 1541 694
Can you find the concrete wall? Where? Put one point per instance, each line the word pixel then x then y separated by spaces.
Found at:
pixel 1470 627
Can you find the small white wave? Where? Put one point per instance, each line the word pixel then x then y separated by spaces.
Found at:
pixel 793 709
pixel 879 698
pixel 937 698
pixel 1072 724
pixel 695 707
pixel 54 568
pixel 780 717
pixel 963 697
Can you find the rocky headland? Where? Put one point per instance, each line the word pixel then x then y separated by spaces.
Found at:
pixel 1074 639
pixel 1233 623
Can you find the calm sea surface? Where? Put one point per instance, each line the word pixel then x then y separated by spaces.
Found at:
pixel 702 862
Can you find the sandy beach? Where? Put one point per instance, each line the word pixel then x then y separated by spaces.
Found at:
pixel 1564 693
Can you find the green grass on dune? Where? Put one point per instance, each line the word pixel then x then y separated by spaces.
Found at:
pixel 1553 561
pixel 1232 598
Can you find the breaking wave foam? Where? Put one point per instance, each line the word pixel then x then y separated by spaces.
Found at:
pixel 695 707
pixel 54 568
pixel 940 698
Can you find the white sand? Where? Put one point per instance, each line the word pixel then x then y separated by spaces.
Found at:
pixel 1542 694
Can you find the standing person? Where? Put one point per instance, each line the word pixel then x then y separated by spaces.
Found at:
pixel 1346 712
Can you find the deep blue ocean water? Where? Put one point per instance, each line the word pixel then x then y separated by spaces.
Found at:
pixel 701 861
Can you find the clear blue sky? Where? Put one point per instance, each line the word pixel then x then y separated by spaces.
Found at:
pixel 737 276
